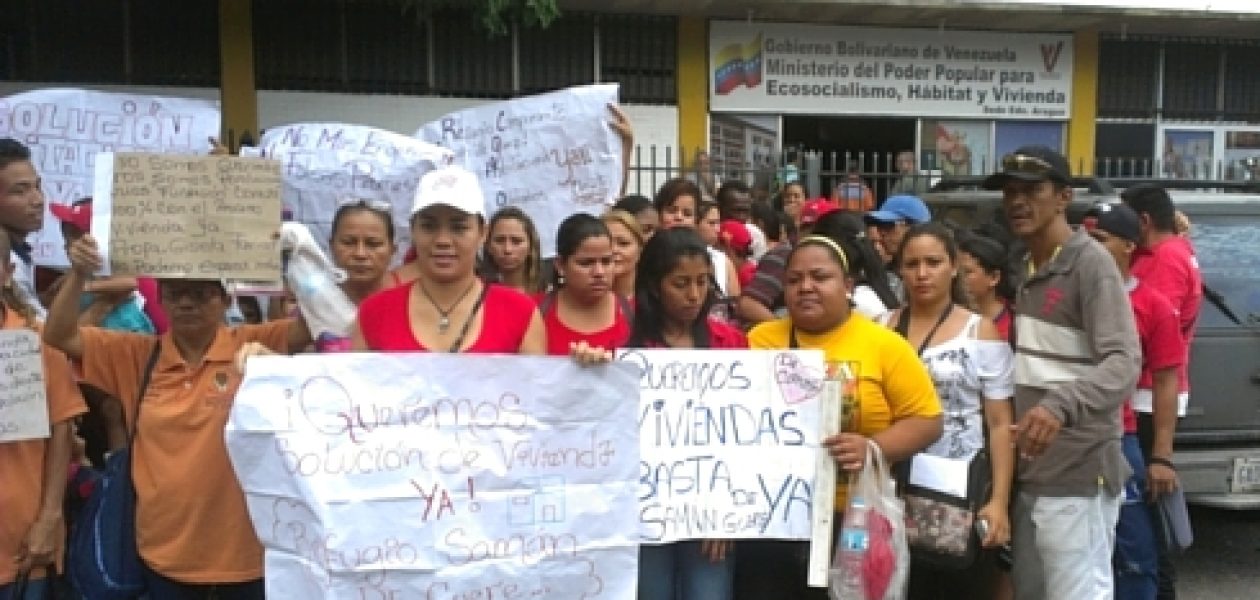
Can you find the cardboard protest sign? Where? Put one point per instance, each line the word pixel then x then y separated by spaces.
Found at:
pixel 550 155
pixel 439 476
pixel 325 165
pixel 23 395
pixel 192 217
pixel 728 442
pixel 66 129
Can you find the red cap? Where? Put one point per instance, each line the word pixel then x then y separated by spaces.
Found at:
pixel 735 235
pixel 79 215
pixel 815 209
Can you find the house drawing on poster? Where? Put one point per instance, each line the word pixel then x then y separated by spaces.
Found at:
pixel 540 500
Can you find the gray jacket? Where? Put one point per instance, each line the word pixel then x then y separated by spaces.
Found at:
pixel 1077 355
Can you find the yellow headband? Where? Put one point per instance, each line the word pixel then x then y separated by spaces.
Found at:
pixel 830 243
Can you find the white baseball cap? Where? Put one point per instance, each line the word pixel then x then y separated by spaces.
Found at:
pixel 453 186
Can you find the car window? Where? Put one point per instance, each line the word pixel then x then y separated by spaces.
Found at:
pixel 1226 248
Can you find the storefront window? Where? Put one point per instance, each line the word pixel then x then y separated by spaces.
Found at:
pixel 1188 154
pixel 957 148
pixel 1242 155
pixel 1011 135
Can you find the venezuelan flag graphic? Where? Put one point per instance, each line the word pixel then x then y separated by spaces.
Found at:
pixel 737 64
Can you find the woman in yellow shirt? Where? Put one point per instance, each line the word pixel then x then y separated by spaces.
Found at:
pixel 898 406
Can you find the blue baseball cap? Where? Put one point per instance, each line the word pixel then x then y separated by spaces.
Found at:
pixel 901 208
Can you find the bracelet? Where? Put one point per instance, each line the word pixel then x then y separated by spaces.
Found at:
pixel 1155 460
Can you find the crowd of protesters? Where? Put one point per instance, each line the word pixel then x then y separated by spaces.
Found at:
pixel 1058 351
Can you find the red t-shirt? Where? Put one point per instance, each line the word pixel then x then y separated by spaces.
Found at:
pixel 746 273
pixel 1003 322
pixel 1160 337
pixel 560 336
pixel 1171 268
pixel 506 314
pixel 722 336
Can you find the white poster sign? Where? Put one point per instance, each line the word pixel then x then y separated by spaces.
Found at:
pixel 728 442
pixel 326 164
pixel 66 128
pixel 550 155
pixel 440 476
pixel 817 69
pixel 23 395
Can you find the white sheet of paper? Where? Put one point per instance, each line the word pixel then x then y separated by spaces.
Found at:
pixel 67 128
pixel 550 155
pixel 728 442
pixel 945 475
pixel 440 476
pixel 23 395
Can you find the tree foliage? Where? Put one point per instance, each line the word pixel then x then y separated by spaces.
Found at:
pixel 495 16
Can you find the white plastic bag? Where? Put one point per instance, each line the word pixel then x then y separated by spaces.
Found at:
pixel 872 560
pixel 314 279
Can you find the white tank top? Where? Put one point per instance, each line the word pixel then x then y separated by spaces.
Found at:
pixel 719 269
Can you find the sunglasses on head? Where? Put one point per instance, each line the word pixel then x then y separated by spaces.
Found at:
pixel 377 205
pixel 1032 165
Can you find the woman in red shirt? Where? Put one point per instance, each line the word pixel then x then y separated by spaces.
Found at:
pixel 583 306
pixel 448 308
pixel 675 292
pixel 983 269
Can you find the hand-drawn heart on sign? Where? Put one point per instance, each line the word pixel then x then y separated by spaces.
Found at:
pixel 797 382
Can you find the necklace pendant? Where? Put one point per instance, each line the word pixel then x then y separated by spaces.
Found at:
pixel 444 323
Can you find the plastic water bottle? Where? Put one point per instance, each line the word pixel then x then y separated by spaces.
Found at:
pixel 846 580
pixel 314 279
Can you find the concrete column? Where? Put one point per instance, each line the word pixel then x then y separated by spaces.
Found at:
pixel 238 95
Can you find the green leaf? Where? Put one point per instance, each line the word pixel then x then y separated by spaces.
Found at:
pixel 494 16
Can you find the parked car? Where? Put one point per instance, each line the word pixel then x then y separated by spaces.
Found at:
pixel 1218 442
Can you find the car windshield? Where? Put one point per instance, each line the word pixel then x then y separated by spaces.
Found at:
pixel 1226 250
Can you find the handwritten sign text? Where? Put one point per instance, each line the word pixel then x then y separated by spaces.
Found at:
pixel 728 441
pixel 23 395
pixel 196 217
pixel 435 476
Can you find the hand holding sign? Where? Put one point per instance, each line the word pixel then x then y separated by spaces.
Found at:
pixel 848 449
pixel 85 256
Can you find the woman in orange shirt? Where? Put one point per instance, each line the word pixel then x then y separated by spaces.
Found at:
pixel 33 472
pixel 192 529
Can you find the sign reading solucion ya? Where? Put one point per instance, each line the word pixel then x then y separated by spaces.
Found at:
pixel 793 68
pixel 439 476
pixel 67 128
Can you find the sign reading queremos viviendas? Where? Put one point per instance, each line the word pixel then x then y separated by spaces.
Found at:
pixel 791 68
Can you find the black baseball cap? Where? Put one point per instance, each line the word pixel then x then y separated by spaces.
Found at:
pixel 1117 219
pixel 1033 164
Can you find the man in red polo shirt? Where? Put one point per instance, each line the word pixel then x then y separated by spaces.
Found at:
pixel 1166 262
pixel 1117 228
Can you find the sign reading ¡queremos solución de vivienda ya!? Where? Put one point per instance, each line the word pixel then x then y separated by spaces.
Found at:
pixel 792 68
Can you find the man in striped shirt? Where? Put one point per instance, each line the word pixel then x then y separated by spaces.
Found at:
pixel 1076 361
